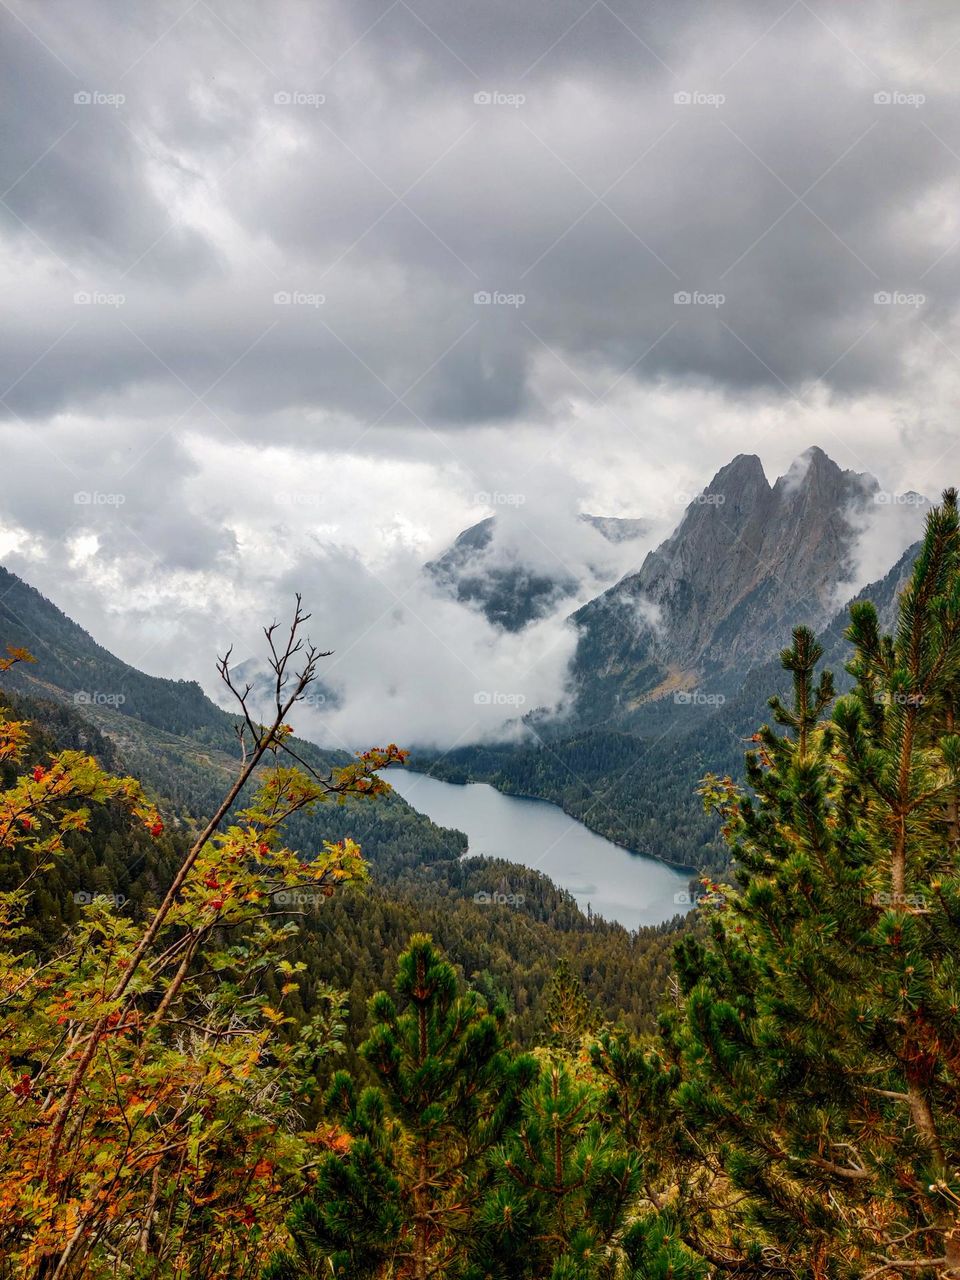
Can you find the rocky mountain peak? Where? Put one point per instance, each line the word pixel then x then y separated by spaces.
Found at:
pixel 747 561
pixel 814 479
pixel 740 480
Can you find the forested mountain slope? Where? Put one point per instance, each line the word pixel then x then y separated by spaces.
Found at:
pixel 418 879
pixel 639 788
pixel 173 737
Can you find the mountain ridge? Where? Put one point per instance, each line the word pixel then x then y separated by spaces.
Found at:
pixel 747 561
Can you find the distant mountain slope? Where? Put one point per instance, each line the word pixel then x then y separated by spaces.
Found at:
pixel 619 528
pixel 509 595
pixel 71 662
pixel 639 787
pixel 173 737
pixel 507 589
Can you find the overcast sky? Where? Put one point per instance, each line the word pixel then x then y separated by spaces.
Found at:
pixel 243 246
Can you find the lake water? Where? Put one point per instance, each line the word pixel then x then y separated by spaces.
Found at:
pixel 628 887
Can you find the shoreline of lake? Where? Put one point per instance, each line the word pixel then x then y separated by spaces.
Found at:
pixel 603 876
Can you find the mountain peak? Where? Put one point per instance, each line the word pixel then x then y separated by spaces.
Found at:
pixel 816 454
pixel 815 477
pixel 744 474
pixel 812 469
pixel 816 462
pixel 746 562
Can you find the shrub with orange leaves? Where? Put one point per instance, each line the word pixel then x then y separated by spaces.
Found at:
pixel 149 1094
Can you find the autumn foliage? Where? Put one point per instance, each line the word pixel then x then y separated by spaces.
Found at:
pixel 150 1108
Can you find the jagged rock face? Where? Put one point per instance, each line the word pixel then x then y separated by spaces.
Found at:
pixel 747 562
pixel 737 572
pixel 509 593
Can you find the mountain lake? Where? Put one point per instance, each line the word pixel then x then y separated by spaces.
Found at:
pixel 631 888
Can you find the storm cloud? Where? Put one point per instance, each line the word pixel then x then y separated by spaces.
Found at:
pixel 593 160
pixel 289 290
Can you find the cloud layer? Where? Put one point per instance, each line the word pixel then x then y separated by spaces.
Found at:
pixel 287 289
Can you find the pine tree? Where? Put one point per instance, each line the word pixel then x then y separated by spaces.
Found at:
pixel 639 1082
pixel 571 1015
pixel 818 1038
pixel 564 1181
pixel 399 1195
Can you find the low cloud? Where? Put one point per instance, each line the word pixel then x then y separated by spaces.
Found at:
pixel 884 527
